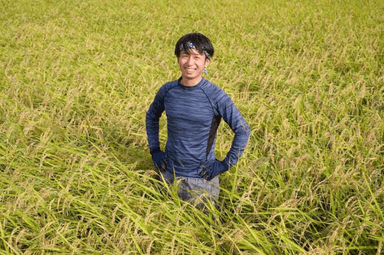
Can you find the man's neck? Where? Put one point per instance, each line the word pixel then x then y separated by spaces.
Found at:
pixel 190 82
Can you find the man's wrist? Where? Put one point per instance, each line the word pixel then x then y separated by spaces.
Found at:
pixel 225 165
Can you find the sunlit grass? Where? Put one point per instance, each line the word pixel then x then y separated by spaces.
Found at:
pixel 77 77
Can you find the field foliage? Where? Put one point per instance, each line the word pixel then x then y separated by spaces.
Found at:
pixel 76 78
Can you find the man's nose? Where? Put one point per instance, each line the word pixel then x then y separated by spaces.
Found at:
pixel 190 59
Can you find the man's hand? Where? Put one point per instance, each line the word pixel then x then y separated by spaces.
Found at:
pixel 158 158
pixel 215 169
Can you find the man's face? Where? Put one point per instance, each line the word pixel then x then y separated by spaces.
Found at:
pixel 192 64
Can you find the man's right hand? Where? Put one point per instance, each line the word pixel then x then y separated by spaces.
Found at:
pixel 158 158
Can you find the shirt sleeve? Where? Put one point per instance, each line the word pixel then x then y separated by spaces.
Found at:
pixel 235 120
pixel 152 119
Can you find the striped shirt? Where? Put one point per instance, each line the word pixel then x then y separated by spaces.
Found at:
pixel 193 116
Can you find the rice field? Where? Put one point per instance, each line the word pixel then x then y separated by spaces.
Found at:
pixel 77 77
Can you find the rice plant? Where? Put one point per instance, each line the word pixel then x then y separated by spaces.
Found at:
pixel 76 176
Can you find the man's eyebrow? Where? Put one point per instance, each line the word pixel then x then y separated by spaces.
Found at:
pixel 192 53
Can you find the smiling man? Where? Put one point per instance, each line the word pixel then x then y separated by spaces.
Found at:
pixel 194 108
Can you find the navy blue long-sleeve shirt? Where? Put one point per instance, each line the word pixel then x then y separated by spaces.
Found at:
pixel 193 116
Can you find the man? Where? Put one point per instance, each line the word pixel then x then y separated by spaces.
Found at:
pixel 194 107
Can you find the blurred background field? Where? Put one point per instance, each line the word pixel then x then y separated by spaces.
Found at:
pixel 76 79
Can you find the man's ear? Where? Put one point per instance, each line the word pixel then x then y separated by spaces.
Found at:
pixel 207 61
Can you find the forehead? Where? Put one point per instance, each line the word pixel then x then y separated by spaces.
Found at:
pixel 192 52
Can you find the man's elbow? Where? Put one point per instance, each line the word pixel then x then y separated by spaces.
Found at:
pixel 244 129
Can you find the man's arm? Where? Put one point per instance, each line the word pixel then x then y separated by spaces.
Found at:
pixel 152 126
pixel 152 122
pixel 235 120
pixel 231 115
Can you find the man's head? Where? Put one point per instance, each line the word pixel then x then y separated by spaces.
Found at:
pixel 194 52
pixel 195 41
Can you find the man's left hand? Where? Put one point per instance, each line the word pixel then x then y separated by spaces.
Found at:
pixel 216 168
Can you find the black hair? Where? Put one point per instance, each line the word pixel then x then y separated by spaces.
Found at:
pixel 200 41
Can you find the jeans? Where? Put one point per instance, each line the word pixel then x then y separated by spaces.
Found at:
pixel 195 189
